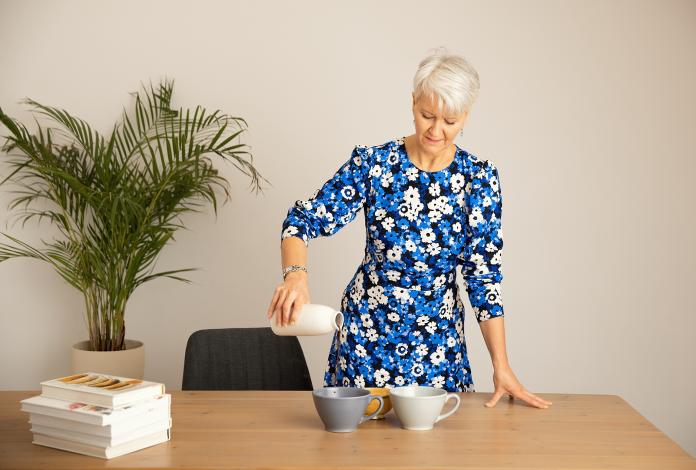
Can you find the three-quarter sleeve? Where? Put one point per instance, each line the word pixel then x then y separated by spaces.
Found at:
pixel 333 205
pixel 482 254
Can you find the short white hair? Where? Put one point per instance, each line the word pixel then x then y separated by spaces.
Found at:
pixel 448 78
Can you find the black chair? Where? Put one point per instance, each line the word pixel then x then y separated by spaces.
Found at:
pixel 244 359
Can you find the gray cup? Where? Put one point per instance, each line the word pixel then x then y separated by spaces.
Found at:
pixel 342 408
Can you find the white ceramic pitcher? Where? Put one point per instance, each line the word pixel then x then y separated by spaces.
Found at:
pixel 313 320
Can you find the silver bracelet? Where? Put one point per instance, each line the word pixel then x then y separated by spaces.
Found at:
pixel 293 268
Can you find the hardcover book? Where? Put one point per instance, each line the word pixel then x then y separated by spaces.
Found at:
pixel 100 389
pixel 103 452
pixel 94 414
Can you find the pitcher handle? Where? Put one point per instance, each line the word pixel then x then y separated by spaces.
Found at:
pixel 381 405
pixel 450 412
pixel 338 321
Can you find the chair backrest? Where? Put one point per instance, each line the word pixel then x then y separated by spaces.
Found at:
pixel 244 359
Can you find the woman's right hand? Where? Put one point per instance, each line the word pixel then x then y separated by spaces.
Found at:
pixel 288 298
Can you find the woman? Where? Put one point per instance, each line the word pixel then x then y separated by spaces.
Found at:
pixel 430 206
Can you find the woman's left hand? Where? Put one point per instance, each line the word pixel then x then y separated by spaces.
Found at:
pixel 505 381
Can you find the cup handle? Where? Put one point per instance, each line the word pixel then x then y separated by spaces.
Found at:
pixel 381 405
pixel 450 412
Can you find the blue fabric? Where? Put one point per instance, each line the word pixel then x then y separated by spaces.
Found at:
pixel 402 308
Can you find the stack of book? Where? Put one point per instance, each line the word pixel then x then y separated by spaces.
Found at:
pixel 99 415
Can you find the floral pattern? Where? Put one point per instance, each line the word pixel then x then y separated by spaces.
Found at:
pixel 403 315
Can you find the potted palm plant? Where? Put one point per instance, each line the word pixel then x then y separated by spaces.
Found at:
pixel 117 201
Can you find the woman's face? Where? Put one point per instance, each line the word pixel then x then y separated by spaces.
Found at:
pixel 435 130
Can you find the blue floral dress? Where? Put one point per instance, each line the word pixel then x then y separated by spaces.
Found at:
pixel 403 315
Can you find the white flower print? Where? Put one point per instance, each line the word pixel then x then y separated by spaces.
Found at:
pixel 447 308
pixel 493 294
pixel 420 266
pixel 401 349
pixel 457 182
pixel 366 320
pixel 431 327
pixel 376 171
pixel 413 211
pixel 479 262
pixel 434 189
pixel 393 275
pixel 346 381
pixel 360 381
pixel 374 278
pixel 356 289
pixel 377 293
pixel 342 363
pixel 437 356
pixel 387 179
pixel 475 217
pixel 422 349
pixel 354 328
pixel 411 195
pixel 381 376
pixel 380 214
pixel 401 294
pixel 289 231
pixel 399 380
pixel 393 158
pixel 348 192
pixel 422 320
pixel 438 207
pixel 456 227
pixel 451 342
pixel 433 249
pixel 411 174
pixel 427 235
pixel 372 334
pixel 393 316
pixel 360 350
pixel 493 182
pixel 388 224
pixel 491 247
pixel 410 245
pixel 438 382
pixel 440 281
pixel 417 369
pixel 435 216
pixel 394 254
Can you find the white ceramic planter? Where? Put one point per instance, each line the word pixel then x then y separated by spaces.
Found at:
pixel 129 362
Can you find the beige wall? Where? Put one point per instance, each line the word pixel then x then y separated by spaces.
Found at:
pixel 587 108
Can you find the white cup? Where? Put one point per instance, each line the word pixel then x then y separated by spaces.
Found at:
pixel 313 319
pixel 419 407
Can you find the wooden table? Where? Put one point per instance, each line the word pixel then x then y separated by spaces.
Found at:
pixel 216 430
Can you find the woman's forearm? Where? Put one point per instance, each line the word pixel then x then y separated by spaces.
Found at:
pixel 293 251
pixel 493 331
pixel 293 288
